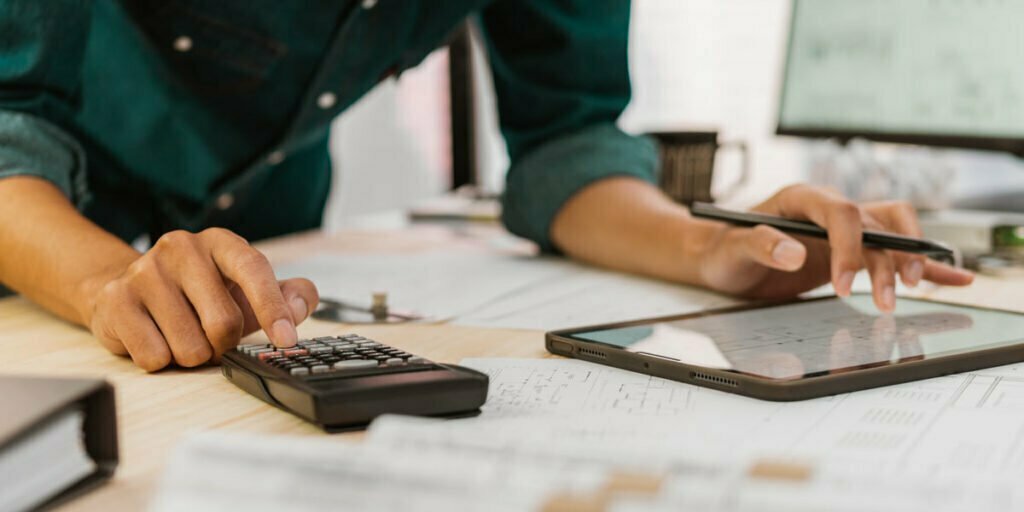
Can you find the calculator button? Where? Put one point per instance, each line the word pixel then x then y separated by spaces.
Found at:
pixel 324 338
pixel 353 357
pixel 299 370
pixel 395 360
pixel 320 368
pixel 368 344
pixel 320 350
pixel 354 364
pixel 416 360
pixel 307 343
pixel 269 355
pixel 295 352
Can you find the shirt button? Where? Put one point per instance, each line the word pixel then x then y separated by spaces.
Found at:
pixel 326 100
pixel 225 201
pixel 369 4
pixel 275 157
pixel 183 43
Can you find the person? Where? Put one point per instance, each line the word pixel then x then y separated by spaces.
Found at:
pixel 204 125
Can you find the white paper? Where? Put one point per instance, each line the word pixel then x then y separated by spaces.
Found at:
pixel 218 471
pixel 959 425
pixel 498 290
pixel 950 443
pixel 557 427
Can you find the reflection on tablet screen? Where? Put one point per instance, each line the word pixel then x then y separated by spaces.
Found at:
pixel 817 337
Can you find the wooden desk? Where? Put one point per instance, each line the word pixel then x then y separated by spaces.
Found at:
pixel 154 411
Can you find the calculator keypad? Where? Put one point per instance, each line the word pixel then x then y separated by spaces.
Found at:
pixel 332 354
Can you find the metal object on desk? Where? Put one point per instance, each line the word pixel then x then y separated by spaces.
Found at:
pixel 1007 258
pixel 378 313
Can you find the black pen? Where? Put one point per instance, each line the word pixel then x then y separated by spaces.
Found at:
pixel 872 239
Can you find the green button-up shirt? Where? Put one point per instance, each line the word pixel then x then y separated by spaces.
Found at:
pixel 154 115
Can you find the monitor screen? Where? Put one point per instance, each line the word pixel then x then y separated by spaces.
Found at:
pixel 942 72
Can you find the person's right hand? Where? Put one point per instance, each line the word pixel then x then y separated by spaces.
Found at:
pixel 192 297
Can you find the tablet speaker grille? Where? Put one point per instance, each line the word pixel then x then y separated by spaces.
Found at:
pixel 714 379
pixel 592 353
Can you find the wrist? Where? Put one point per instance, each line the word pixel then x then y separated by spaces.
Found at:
pixel 695 239
pixel 88 289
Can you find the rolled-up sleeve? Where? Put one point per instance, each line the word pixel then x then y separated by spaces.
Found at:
pixel 41 51
pixel 30 146
pixel 562 80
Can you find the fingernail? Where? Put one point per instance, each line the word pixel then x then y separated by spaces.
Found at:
pixel 845 283
pixel 284 334
pixel 888 299
pixel 299 309
pixel 788 253
pixel 914 273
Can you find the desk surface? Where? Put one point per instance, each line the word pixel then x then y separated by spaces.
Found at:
pixel 154 411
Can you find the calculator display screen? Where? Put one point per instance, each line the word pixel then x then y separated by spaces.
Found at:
pixel 818 337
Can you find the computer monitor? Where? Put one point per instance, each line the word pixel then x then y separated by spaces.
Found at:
pixel 933 72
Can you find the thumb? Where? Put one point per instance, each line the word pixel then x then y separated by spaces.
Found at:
pixel 774 249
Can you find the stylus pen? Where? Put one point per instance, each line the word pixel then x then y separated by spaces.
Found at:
pixel 872 239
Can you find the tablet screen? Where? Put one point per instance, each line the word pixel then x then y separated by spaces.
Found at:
pixel 807 339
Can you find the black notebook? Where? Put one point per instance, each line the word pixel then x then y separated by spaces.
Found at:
pixel 58 437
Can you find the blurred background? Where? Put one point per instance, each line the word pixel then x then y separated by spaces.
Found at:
pixel 697 65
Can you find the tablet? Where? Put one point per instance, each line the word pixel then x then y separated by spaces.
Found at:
pixel 805 348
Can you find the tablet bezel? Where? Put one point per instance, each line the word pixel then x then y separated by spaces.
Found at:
pixel 562 343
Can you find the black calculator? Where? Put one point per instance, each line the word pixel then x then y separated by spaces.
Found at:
pixel 344 382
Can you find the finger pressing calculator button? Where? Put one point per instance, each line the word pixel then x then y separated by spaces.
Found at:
pixel 354 363
pixel 299 370
pixel 270 354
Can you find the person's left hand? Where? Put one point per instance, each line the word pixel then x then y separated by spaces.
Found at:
pixel 763 262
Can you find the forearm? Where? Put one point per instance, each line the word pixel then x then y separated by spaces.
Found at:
pixel 51 253
pixel 628 224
